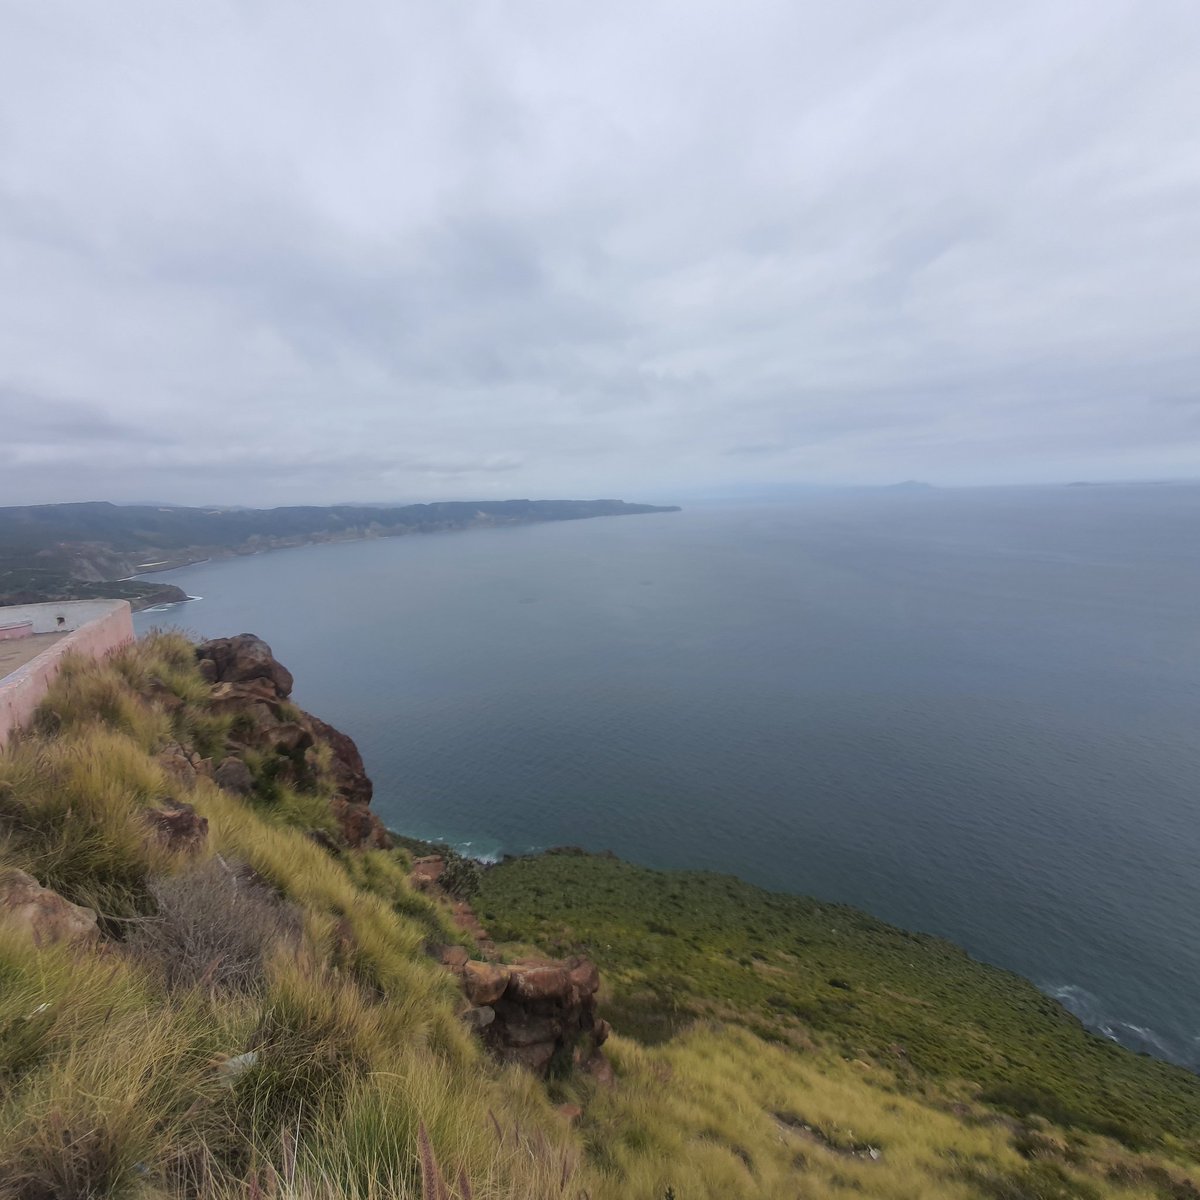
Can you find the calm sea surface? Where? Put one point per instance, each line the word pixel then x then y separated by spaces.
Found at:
pixel 969 712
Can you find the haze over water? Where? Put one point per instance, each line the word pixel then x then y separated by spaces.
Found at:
pixel 971 712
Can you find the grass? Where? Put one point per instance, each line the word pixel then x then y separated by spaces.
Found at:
pixel 265 1019
pixel 677 946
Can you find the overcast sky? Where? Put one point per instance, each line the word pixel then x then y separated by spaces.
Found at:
pixel 282 251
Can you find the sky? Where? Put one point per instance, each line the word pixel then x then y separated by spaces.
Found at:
pixel 282 251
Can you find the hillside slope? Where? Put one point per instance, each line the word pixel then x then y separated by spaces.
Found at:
pixel 231 989
pixel 61 551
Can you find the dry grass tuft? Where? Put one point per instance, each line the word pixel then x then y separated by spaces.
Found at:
pixel 213 929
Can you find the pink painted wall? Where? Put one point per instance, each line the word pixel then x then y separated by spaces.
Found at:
pixel 23 690
pixel 10 633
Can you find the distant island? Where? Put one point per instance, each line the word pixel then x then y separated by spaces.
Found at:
pixel 90 550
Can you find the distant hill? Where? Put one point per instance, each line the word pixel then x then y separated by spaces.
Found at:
pixel 59 551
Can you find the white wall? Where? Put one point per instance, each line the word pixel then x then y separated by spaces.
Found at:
pixel 108 628
pixel 45 617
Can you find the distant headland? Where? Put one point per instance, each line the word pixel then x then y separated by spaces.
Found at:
pixel 90 550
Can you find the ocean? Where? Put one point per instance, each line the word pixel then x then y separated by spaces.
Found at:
pixel 970 712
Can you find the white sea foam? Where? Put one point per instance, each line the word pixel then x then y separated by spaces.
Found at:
pixel 155 608
pixel 1089 1008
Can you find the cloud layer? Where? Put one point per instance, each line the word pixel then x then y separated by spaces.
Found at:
pixel 272 252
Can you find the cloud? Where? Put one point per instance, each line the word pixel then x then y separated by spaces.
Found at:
pixel 268 253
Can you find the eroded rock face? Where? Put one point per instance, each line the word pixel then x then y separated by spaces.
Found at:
pixel 535 1011
pixel 251 686
pixel 41 913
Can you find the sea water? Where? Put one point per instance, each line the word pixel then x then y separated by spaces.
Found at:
pixel 970 712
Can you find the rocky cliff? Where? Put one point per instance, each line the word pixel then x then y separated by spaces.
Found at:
pixel 271 740
pixel 537 1013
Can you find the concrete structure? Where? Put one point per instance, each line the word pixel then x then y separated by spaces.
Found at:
pixel 90 627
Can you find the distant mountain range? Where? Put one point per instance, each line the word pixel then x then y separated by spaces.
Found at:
pixel 81 551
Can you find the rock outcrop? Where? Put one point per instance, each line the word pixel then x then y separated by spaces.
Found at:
pixel 182 764
pixel 42 913
pixel 536 1011
pixel 178 827
pixel 253 687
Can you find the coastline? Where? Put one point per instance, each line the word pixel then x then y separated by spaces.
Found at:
pixel 1101 1027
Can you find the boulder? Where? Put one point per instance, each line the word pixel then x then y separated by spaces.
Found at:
pixel 178 826
pixel 244 657
pixel 181 764
pixel 545 1009
pixel 44 914
pixel 484 983
pixel 234 776
pixel 540 982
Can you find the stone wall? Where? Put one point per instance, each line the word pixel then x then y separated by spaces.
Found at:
pixel 62 616
pixel 92 627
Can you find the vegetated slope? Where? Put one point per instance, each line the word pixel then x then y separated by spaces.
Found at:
pixel 43 547
pixel 259 1014
pixel 679 947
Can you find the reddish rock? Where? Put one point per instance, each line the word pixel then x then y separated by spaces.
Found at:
pixel 452 956
pixel 547 1009
pixel 540 983
pixel 484 983
pixel 426 871
pixel 572 1112
pixel 252 687
pixel 534 1058
pixel 178 826
pixel 246 657
pixel 178 763
pixel 359 826
pixel 584 975
pixel 349 774
pixel 43 914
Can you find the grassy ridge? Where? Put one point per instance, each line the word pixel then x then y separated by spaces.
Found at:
pixel 675 946
pixel 264 1019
